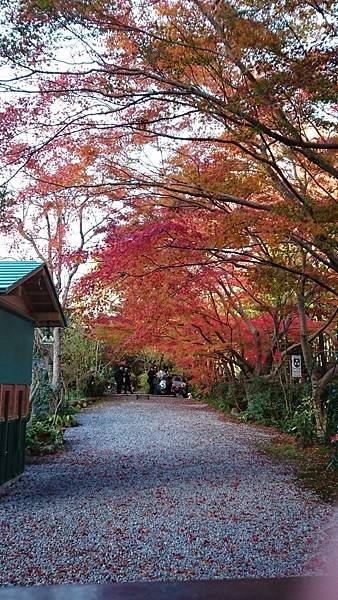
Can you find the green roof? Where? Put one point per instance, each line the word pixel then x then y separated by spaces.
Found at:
pixel 12 272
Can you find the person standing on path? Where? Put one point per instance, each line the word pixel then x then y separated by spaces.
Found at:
pixel 126 380
pixel 151 380
pixel 119 379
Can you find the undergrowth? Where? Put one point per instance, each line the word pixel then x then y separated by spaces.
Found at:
pixel 42 437
pixel 262 402
pixel 311 465
pixel 44 433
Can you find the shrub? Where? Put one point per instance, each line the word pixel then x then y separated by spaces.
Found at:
pixel 332 412
pixel 43 438
pixel 61 421
pixel 303 424
pixel 236 396
pixel 71 400
pixel 266 405
pixel 226 396
pixel 67 409
pixel 143 385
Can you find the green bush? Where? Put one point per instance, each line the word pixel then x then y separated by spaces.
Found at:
pixel 219 391
pixel 71 400
pixel 43 438
pixel 142 383
pixel 217 402
pixel 61 421
pixel 303 424
pixel 332 412
pixel 226 396
pixel 67 409
pixel 265 403
pixel 44 433
pixel 65 417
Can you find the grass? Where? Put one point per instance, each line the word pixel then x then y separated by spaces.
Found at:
pixel 311 465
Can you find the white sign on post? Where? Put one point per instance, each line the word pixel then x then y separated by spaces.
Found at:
pixel 296 365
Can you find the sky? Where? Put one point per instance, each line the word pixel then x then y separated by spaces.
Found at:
pixel 4 250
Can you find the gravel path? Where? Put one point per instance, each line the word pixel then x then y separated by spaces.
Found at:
pixel 152 490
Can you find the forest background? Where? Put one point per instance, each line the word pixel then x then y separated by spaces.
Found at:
pixel 185 152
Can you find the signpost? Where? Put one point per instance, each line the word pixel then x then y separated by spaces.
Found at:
pixel 296 366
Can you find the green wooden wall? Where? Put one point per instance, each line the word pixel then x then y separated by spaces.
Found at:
pixel 12 449
pixel 16 348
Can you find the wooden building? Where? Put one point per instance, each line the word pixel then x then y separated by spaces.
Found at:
pixel 28 299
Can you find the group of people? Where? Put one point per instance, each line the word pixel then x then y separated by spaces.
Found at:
pixel 159 381
pixel 123 380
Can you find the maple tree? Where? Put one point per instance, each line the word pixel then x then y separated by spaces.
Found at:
pixel 240 77
pixel 157 284
pixel 236 81
pixel 56 224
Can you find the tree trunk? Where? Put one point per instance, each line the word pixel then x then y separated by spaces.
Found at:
pixel 56 377
pixel 319 410
pixel 318 383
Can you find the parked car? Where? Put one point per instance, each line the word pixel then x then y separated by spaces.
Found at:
pixel 179 386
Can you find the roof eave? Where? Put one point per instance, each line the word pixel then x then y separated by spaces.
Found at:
pixel 23 279
pixel 51 322
pixel 54 296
